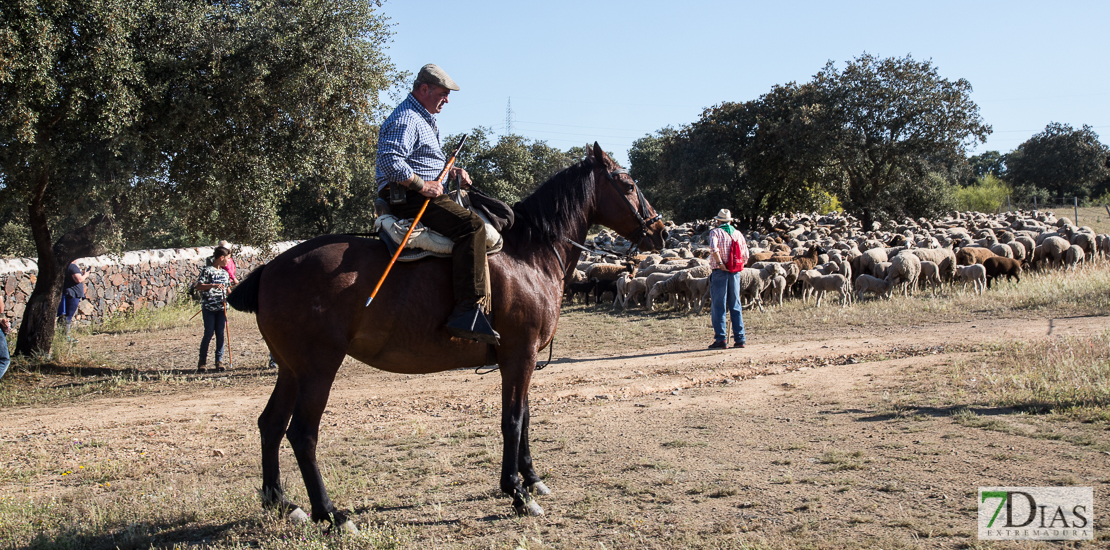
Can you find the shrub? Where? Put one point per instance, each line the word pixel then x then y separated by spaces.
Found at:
pixel 987 195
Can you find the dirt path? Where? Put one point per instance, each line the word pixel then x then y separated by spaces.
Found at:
pixel 786 441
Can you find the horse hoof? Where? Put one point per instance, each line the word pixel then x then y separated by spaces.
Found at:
pixel 530 508
pixel 538 488
pixel 298 516
pixel 348 528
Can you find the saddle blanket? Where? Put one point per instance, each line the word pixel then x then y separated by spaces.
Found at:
pixel 424 242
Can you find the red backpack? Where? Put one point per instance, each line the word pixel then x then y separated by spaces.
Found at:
pixel 735 261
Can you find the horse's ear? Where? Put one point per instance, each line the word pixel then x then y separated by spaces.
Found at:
pixel 598 153
pixel 589 151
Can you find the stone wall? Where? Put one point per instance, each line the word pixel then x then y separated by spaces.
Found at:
pixel 127 282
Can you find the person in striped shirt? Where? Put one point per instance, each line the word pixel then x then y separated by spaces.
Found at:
pixel 724 286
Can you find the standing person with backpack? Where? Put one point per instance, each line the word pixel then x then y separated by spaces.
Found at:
pixel 728 253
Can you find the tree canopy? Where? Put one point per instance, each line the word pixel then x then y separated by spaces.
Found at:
pixel 887 137
pixel 207 113
pixel 1061 161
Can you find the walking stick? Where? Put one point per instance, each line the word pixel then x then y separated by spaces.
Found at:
pixel 227 331
pixel 442 175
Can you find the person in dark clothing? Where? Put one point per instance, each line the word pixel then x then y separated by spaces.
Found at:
pixel 73 290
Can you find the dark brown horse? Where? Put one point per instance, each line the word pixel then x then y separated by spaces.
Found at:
pixel 310 310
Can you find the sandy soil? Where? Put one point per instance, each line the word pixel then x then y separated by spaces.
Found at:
pixel 788 441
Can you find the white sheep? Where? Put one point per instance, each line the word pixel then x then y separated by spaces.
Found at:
pixel 904 270
pixel 825 283
pixel 880 287
pixel 1073 256
pixel 975 274
pixel 930 276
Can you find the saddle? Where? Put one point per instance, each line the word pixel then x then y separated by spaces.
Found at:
pixel 424 242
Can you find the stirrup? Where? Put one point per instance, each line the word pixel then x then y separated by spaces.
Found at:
pixel 473 325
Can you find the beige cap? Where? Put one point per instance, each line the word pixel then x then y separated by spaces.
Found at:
pixel 724 216
pixel 224 244
pixel 432 74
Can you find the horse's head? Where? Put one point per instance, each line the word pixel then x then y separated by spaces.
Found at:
pixel 622 207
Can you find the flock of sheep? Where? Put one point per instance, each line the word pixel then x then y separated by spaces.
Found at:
pixel 810 255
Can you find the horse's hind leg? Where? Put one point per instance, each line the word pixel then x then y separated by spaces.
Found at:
pixel 524 466
pixel 303 434
pixel 271 427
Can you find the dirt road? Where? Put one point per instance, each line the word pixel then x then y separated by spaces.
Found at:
pixel 821 440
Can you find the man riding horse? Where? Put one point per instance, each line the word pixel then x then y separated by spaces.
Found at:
pixel 410 157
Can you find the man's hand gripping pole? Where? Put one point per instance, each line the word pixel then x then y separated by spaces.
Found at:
pixel 442 177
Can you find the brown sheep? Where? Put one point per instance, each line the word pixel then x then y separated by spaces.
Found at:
pixel 607 272
pixel 999 266
pixel 969 255
pixel 759 257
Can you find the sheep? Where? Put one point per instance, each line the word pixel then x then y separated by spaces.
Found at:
pixel 622 288
pixel 823 283
pixel 904 270
pixel 880 269
pixel 697 288
pixel 577 276
pixel 973 255
pixel 634 289
pixel 866 283
pixel 807 289
pixel 997 267
pixel 604 286
pixel 750 288
pixel 584 287
pixel 1073 256
pixel 1102 246
pixel 775 289
pixel 1002 250
pixel 1017 250
pixel 607 272
pixel 1053 250
pixel 930 276
pixel 975 274
pixel 660 268
pixel 667 286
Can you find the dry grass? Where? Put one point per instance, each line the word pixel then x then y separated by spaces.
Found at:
pixel 1054 293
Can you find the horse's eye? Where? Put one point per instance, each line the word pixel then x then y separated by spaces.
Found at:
pixel 631 187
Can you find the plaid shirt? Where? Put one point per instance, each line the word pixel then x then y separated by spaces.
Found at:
pixel 408 142
pixel 720 240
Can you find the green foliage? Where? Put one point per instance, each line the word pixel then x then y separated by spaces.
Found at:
pixel 513 167
pixel 164 121
pixel 988 163
pixel 889 124
pixel 987 195
pixel 1061 160
pixel 886 137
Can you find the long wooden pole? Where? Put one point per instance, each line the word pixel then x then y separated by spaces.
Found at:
pixel 442 176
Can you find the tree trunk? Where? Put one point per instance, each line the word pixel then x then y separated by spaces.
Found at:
pixel 36 332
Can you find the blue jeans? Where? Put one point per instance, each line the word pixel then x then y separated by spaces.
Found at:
pixel 214 323
pixel 724 293
pixel 5 360
pixel 68 307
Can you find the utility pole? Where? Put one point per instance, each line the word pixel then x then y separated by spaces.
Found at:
pixel 509 118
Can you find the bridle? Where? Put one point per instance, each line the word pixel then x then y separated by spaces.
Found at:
pixel 641 212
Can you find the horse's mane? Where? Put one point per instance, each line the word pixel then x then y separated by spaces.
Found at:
pixel 558 205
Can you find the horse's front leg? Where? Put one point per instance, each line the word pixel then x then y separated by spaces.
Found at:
pixel 527 471
pixel 514 403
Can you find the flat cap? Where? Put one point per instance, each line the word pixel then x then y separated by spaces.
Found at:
pixel 432 74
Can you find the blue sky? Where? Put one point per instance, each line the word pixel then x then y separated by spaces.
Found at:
pixel 615 71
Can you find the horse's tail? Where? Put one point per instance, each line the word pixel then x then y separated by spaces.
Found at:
pixel 245 296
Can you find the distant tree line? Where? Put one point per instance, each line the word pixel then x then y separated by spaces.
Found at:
pixel 881 139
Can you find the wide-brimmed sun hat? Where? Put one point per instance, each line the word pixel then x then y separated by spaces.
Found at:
pixel 724 216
